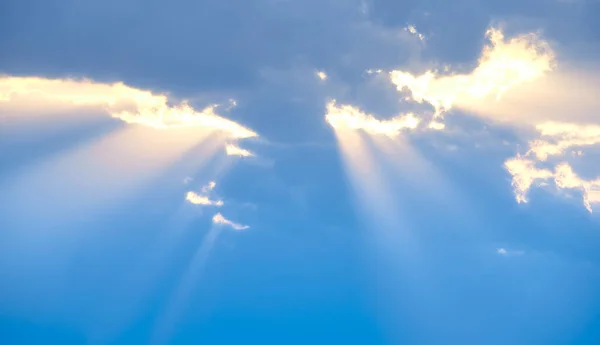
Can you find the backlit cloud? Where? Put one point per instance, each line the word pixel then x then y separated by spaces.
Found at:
pixel 525 174
pixel 210 186
pixel 203 199
pixel 349 117
pixel 507 252
pixel 413 31
pixel 233 150
pixel 503 64
pixel 126 103
pixel 219 219
pixel 197 199
pixel 321 75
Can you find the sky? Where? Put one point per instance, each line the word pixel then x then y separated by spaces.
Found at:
pixel 300 172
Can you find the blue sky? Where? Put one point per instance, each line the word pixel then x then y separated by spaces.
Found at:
pixel 299 172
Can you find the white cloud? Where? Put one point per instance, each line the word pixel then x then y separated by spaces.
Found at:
pixel 525 174
pixel 556 138
pixel 321 75
pixel 126 103
pixel 233 150
pixel 197 199
pixel 349 117
pixel 503 64
pixel 506 252
pixel 203 199
pixel 219 219
pixel 413 31
pixel 210 186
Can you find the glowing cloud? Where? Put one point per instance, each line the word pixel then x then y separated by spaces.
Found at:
pixel 525 174
pixel 197 199
pixel 210 186
pixel 349 117
pixel 219 219
pixel 233 150
pixel 321 75
pixel 502 65
pixel 126 103
pixel 413 31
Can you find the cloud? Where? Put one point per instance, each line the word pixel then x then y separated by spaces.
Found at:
pixel 506 252
pixel 558 137
pixel 321 75
pixel 210 186
pixel 553 142
pixel 503 64
pixel 219 219
pixel 349 117
pixel 413 31
pixel 131 105
pixel 525 174
pixel 233 150
pixel 197 199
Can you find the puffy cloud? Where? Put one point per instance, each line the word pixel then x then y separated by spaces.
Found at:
pixel 349 117
pixel 197 199
pixel 126 103
pixel 503 64
pixel 219 219
pixel 233 150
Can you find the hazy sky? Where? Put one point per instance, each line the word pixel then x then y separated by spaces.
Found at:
pixel 300 172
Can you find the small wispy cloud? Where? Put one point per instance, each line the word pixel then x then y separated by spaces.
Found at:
pixel 506 252
pixel 221 220
pixel 197 199
pixel 233 150
pixel 413 31
pixel 210 186
pixel 350 117
pixel 321 75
